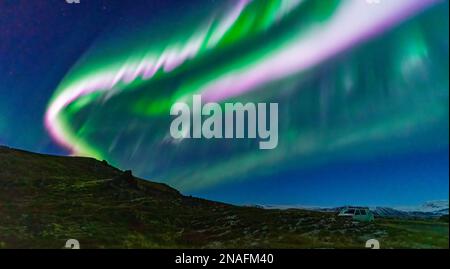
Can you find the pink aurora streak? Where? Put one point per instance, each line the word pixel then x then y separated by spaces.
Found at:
pixel 354 22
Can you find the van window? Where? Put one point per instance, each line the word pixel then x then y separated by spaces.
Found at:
pixel 363 212
pixel 350 211
pixel 357 212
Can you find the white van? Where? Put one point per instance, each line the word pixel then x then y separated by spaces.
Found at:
pixel 357 213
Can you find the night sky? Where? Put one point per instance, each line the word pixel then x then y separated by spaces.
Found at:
pixel 363 106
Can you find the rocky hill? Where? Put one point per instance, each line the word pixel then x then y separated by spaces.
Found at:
pixel 45 200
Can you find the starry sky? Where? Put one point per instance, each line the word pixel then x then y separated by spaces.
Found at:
pixel 363 106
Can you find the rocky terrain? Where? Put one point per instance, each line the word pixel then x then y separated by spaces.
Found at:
pixel 45 200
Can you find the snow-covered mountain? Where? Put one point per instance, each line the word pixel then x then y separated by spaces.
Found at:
pixel 430 206
pixel 430 209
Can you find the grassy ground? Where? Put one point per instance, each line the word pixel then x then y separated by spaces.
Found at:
pixel 45 200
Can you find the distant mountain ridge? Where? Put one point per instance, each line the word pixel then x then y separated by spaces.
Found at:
pixel 429 209
pixel 429 206
pixel 46 200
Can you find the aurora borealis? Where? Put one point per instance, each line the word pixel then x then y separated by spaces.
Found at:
pixel 355 81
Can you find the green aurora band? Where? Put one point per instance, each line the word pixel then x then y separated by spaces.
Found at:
pixel 352 80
